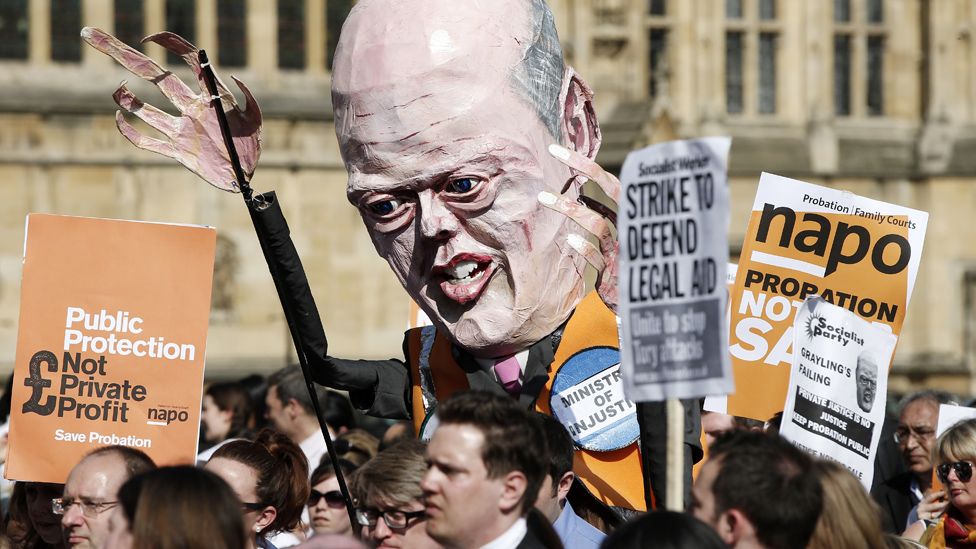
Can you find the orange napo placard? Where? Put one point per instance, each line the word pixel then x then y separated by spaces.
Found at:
pixel 803 239
pixel 111 343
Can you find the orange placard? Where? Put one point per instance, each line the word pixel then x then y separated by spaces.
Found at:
pixel 111 343
pixel 803 239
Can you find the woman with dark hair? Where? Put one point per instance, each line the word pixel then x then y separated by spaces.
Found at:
pixel 270 477
pixel 224 415
pixel 31 522
pixel 257 388
pixel 176 508
pixel 326 507
pixel 664 530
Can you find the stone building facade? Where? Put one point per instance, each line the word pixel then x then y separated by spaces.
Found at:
pixel 874 96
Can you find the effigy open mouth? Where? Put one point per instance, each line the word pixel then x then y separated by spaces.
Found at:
pixel 464 277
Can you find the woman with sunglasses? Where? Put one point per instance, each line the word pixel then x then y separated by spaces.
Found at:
pixel 270 477
pixel 954 455
pixel 326 507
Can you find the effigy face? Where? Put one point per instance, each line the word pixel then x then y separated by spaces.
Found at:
pixel 440 126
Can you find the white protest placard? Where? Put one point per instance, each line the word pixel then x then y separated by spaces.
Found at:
pixel 835 403
pixel 951 414
pixel 673 230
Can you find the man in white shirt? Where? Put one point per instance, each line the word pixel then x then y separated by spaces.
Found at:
pixel 289 410
pixel 487 460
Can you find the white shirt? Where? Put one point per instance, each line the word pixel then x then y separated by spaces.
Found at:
pixel 511 538
pixel 916 489
pixel 314 448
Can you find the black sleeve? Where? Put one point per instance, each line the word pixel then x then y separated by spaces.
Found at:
pixel 379 387
pixel 653 420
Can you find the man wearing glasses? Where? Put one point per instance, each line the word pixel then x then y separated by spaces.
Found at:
pixel 91 491
pixel 915 436
pixel 390 506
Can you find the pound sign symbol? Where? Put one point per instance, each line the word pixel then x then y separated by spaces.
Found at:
pixel 38 383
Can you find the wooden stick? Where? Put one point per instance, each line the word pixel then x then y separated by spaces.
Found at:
pixel 674 494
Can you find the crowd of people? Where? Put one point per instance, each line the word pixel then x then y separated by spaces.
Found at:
pixel 493 474
pixel 457 140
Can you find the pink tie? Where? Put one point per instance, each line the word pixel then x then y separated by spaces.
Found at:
pixel 507 369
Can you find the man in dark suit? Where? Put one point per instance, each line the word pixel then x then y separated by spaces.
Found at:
pixel 487 459
pixel 915 434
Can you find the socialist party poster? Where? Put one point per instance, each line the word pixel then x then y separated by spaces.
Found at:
pixel 835 401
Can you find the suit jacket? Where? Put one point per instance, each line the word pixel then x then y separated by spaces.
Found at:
pixel 896 499
pixel 530 541
pixel 540 533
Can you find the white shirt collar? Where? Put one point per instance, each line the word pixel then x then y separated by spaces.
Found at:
pixel 916 489
pixel 511 538
pixel 314 448
pixel 313 443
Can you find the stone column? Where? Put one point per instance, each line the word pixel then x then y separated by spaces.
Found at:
pixel 101 15
pixel 155 13
pixel 315 31
pixel 206 12
pixel 39 33
pixel 262 32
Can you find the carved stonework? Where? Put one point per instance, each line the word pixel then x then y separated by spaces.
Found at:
pixel 226 265
pixel 936 142
pixel 612 13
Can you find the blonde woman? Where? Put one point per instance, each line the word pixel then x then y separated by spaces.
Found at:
pixel 850 519
pixel 954 456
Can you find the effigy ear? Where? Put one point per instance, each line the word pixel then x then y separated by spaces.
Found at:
pixel 581 130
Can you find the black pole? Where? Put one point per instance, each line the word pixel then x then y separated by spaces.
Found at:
pixel 254 206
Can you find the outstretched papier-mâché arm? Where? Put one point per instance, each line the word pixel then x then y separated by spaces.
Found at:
pixel 193 138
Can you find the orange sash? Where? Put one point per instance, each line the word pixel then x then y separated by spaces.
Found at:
pixel 615 477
